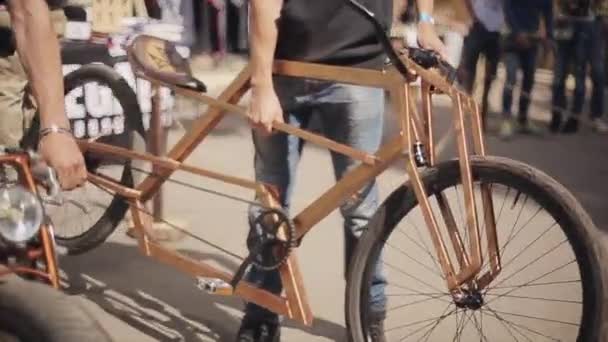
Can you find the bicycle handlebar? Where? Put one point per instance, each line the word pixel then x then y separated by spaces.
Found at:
pixel 423 57
pixel 42 173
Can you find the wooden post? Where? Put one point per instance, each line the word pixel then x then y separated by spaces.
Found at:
pixel 157 140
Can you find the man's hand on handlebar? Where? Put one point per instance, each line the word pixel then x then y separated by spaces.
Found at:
pixel 264 108
pixel 428 39
pixel 61 152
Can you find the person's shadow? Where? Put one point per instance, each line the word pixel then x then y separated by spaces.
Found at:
pixel 161 302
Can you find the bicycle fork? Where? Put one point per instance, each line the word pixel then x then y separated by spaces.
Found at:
pixel 419 130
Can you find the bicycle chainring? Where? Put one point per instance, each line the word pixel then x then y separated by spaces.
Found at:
pixel 272 251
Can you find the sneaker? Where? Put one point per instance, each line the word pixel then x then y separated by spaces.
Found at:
pixel 506 129
pixel 376 332
pixel 556 122
pixel 258 331
pixel 529 127
pixel 599 126
pixel 571 126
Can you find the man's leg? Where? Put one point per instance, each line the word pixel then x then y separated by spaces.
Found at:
pixel 580 55
pixel 275 162
pixel 491 50
pixel 353 115
pixel 511 61
pixel 528 66
pixel 598 58
pixel 560 71
pixel 470 56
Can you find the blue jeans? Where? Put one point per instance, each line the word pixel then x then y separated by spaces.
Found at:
pixel 348 114
pixel 526 60
pixel 597 47
pixel 571 53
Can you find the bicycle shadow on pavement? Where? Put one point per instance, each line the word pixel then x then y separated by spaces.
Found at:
pixel 159 301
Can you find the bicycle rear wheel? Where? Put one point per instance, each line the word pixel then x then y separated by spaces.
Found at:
pixel 551 284
pixel 90 214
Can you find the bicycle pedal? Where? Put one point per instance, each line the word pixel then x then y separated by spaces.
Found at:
pixel 214 286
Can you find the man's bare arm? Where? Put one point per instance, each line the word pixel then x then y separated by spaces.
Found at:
pixel 263 37
pixel 264 108
pixel 38 49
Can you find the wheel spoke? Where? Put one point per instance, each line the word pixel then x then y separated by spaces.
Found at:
pixel 440 318
pixel 416 261
pixel 531 281
pixel 511 234
pixel 507 325
pixel 540 299
pixel 537 284
pixel 418 292
pixel 536 318
pixel 504 200
pixel 519 325
pixel 523 250
pixel 432 294
pixel 532 262
pixel 411 276
pixel 424 320
pixel 479 328
pixel 428 333
pixel 425 249
pixel 414 303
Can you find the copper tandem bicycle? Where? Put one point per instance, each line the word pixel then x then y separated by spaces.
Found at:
pixel 507 253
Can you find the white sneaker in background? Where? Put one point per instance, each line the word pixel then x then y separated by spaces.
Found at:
pixel 599 126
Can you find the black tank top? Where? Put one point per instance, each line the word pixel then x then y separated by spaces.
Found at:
pixel 331 32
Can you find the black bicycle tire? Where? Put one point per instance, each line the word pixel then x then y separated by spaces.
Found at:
pixel 115 212
pixel 33 311
pixel 587 241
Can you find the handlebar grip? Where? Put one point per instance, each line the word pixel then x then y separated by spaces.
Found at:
pixel 431 59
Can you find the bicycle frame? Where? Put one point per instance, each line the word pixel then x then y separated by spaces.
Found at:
pixel 414 128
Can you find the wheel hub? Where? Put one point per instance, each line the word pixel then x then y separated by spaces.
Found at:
pixel 468 299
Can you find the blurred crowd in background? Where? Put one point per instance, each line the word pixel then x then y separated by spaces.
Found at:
pixel 518 37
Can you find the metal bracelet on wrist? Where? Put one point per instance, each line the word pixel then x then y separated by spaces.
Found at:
pixel 54 129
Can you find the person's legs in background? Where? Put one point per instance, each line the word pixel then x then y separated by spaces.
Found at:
pixel 580 53
pixel 512 63
pixel 560 71
pixel 470 55
pixel 528 66
pixel 597 49
pixel 492 53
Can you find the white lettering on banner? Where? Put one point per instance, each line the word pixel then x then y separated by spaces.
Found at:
pixel 94 110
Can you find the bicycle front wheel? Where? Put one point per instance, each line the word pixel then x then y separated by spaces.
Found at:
pixel 551 284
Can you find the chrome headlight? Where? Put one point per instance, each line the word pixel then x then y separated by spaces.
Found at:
pixel 20 214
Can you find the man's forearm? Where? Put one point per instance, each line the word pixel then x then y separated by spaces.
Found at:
pixel 263 38
pixel 425 6
pixel 38 49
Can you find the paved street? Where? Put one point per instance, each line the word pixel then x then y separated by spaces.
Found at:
pixel 138 299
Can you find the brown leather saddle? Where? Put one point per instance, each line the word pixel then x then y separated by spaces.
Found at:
pixel 159 59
